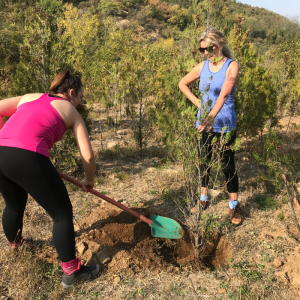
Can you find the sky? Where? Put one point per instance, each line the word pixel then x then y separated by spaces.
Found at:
pixel 286 8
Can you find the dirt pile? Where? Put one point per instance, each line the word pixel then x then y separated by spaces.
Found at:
pixel 129 244
pixel 290 271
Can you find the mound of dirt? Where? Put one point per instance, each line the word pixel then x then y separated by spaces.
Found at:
pixel 290 272
pixel 128 244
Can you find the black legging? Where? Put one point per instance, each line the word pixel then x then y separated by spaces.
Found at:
pixel 228 166
pixel 23 172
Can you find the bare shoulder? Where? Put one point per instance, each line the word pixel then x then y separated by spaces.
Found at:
pixel 233 69
pixel 198 68
pixel 233 65
pixel 67 112
pixel 192 75
pixel 30 97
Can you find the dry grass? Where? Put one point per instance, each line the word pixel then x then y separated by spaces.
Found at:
pixel 153 182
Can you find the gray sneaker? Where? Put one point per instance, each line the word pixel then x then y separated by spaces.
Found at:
pixel 85 273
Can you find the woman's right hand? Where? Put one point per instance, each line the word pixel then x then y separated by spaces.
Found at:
pixel 87 184
pixel 187 79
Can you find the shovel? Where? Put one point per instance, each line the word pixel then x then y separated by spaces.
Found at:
pixel 160 226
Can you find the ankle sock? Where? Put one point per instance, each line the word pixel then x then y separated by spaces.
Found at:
pixel 203 198
pixel 15 245
pixel 71 266
pixel 233 204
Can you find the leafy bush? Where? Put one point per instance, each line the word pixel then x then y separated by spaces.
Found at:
pixel 265 202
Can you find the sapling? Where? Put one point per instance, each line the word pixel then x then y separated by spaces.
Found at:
pixel 188 148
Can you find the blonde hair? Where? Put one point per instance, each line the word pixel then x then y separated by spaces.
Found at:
pixel 216 37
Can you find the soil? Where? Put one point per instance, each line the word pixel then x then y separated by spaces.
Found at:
pixel 290 272
pixel 129 245
pixel 136 265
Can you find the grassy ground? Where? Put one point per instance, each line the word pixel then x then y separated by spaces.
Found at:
pixel 255 259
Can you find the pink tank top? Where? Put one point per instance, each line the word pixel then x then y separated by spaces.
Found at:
pixel 35 126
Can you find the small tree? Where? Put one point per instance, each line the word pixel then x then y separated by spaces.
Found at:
pixel 177 119
pixel 144 81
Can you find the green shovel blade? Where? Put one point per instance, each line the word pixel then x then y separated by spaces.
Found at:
pixel 165 228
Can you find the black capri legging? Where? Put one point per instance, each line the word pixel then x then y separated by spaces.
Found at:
pixel 228 165
pixel 23 172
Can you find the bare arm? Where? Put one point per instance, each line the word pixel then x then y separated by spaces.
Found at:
pixel 8 107
pixel 230 81
pixel 74 121
pixel 86 151
pixel 187 79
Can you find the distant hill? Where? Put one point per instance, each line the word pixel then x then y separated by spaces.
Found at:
pixel 168 17
pixel 266 27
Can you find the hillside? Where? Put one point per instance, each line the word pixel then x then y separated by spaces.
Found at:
pixel 167 17
pixel 266 28
pixel 254 260
pixel 131 56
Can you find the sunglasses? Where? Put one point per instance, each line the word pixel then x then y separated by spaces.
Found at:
pixel 209 49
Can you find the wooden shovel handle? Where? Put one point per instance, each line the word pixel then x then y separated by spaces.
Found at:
pixel 113 202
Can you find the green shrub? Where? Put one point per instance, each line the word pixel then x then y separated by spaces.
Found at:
pixel 265 202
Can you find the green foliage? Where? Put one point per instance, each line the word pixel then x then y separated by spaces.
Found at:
pixel 248 270
pixel 277 165
pixel 40 297
pixel 177 289
pixel 284 65
pixel 265 202
pixel 117 153
pixel 181 18
pixel 40 55
pixel 244 291
pixel 209 224
pixel 49 270
pixel 141 292
pixel 168 195
pixel 266 28
pixel 223 285
pixel 108 7
pixel 280 216
pixel 122 176
pixel 52 7
pixel 255 96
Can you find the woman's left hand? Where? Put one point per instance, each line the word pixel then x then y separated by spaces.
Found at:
pixel 207 124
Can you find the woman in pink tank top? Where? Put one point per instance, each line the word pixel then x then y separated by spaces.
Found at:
pixel 36 122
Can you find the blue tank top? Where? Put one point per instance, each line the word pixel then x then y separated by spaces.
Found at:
pixel 210 86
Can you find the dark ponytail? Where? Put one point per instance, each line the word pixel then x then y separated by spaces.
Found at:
pixel 64 82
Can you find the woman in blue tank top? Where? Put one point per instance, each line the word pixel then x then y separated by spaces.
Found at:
pixel 218 75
